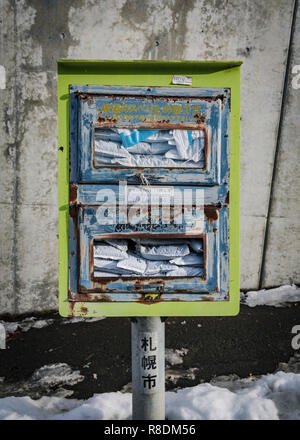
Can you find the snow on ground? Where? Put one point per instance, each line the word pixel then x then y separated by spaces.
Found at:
pixel 25 325
pixel 278 297
pixel 272 397
pixel 174 375
pixel 32 322
pixel 47 380
pixel 175 357
pixel 77 319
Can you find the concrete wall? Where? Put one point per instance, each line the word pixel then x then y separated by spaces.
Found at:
pixel 34 33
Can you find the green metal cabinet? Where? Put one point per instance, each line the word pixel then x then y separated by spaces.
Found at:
pixel 132 101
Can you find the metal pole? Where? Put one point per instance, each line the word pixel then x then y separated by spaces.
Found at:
pixel 148 368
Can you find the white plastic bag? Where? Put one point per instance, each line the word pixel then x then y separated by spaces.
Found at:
pixel 188 260
pixel 108 252
pixel 110 149
pixel 149 148
pixel 186 271
pixel 168 252
pixel 133 264
pixel 107 135
pixel 119 244
pixel 158 267
pixel 108 266
pixel 196 245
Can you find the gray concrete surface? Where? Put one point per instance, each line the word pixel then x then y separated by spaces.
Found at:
pixel 34 33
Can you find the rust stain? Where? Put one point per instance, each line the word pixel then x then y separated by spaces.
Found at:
pixel 212 212
pixel 105 120
pixel 91 297
pixel 199 119
pixel 153 98
pixel 73 193
pixel 227 198
pixel 164 124
pixel 91 259
pixel 148 299
pixel 83 310
pixel 145 235
pixel 105 298
pixel 71 303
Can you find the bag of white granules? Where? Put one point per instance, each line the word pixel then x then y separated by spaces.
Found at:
pixel 119 244
pixel 133 264
pixel 149 148
pixel 109 252
pixel 107 135
pixel 188 260
pixel 109 148
pixel 168 252
pixel 196 245
pixel 158 267
pixel 186 271
pixel 108 266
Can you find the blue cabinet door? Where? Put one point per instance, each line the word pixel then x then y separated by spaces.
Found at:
pixel 129 116
pixel 149 182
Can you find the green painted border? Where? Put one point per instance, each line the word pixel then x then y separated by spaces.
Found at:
pixel 148 73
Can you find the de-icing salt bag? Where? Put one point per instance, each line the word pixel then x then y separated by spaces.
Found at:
pixel 110 149
pixel 163 252
pixel 108 266
pixel 109 252
pixel 149 148
pixel 133 264
pixel 188 260
pixel 107 135
pixel 189 145
pixel 158 267
pixel 186 271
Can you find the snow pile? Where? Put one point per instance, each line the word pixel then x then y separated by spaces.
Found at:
pixel 175 357
pixel 54 375
pixel 272 397
pixel 175 375
pixel 278 297
pixel 107 406
pixel 292 366
pixel 32 322
pixel 77 319
pixel 47 380
pixel 25 325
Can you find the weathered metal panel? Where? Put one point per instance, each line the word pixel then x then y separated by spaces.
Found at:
pixel 195 109
pixel 153 108
pixel 216 243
